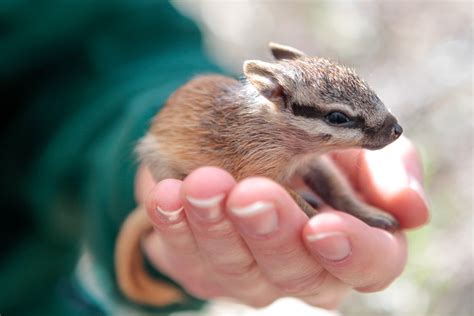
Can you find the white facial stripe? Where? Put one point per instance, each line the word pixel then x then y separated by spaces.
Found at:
pixel 342 108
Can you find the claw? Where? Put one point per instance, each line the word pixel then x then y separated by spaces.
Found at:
pixel 382 220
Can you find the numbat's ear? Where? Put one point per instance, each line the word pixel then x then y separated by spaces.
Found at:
pixel 285 52
pixel 265 78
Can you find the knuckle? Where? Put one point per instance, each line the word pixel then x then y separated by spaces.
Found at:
pixel 181 247
pixel 180 227
pixel 222 230
pixel 285 252
pixel 240 270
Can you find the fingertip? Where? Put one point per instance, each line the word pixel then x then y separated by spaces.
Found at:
pixel 326 222
pixel 206 182
pixel 164 204
pixel 204 192
pixel 262 209
pixel 262 191
pixel 327 237
pixel 253 207
pixel 409 206
pixel 255 189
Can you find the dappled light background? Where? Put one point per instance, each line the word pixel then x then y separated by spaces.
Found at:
pixel 418 57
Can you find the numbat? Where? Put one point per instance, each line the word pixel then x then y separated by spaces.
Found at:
pixel 275 123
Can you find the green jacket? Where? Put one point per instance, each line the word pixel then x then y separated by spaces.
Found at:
pixel 81 80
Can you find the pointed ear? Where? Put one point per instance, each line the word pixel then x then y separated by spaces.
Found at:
pixel 284 52
pixel 264 77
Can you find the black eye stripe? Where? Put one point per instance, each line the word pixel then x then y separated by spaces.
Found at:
pixel 305 111
pixel 312 112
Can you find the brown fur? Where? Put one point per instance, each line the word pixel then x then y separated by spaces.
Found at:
pixel 216 128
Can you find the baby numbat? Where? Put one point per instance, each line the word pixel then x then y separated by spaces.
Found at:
pixel 274 123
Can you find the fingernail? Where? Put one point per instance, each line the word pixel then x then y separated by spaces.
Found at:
pixel 333 246
pixel 258 218
pixel 170 216
pixel 207 209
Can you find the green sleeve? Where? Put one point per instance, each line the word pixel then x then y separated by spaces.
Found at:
pixel 96 80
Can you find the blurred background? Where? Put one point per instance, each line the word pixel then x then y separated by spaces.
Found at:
pixel 418 56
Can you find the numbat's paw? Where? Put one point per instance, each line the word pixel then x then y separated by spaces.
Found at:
pixel 380 219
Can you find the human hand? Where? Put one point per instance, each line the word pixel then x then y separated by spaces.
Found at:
pixel 250 241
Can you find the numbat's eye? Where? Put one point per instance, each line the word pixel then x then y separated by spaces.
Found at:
pixel 337 118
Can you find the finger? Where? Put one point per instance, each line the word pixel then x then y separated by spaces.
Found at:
pixel 233 266
pixel 366 258
pixel 270 222
pixel 390 178
pixel 173 249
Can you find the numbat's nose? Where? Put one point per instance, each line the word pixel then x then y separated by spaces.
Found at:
pixel 397 130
